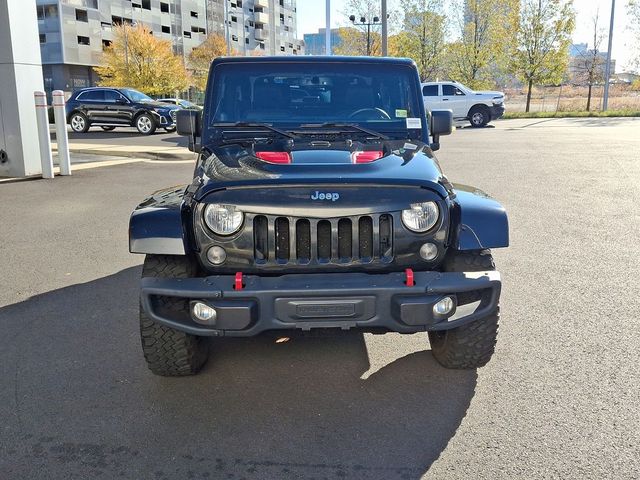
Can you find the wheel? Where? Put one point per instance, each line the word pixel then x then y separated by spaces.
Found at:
pixel 469 346
pixel 170 352
pixel 170 129
pixel 145 124
pixel 107 128
pixel 479 116
pixel 79 122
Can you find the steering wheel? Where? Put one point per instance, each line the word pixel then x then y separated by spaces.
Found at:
pixel 378 112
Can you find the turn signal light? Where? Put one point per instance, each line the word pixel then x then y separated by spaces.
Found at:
pixel 366 156
pixel 274 157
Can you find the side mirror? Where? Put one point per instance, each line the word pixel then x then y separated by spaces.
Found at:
pixel 441 124
pixel 189 124
pixel 121 101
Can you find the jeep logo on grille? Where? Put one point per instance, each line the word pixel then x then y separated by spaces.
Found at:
pixel 333 196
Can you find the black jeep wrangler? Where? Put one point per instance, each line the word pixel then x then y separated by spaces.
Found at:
pixel 316 202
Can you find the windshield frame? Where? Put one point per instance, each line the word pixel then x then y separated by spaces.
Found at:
pixel 397 128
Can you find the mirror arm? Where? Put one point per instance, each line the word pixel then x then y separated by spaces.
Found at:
pixel 435 145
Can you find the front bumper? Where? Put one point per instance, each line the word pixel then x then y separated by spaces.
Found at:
pixel 306 301
pixel 497 111
pixel 165 119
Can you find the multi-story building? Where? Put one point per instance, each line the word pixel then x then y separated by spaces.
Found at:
pixel 263 26
pixel 588 66
pixel 73 33
pixel 315 43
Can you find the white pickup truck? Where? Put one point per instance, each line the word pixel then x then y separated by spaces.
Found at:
pixel 479 108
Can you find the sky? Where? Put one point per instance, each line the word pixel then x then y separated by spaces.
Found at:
pixel 311 17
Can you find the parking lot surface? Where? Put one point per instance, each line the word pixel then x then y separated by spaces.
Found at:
pixel 558 400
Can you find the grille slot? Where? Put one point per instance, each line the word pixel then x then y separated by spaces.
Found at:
pixel 303 241
pixel 260 239
pixel 345 245
pixel 365 240
pixel 282 238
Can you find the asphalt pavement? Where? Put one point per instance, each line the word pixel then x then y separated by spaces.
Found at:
pixel 559 399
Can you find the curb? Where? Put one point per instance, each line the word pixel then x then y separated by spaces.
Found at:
pixel 130 154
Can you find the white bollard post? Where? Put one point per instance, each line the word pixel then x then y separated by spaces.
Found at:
pixel 61 132
pixel 42 117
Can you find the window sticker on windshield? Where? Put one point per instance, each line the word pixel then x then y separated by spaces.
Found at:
pixel 401 113
pixel 413 122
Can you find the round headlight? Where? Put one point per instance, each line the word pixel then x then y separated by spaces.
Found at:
pixel 421 216
pixel 223 219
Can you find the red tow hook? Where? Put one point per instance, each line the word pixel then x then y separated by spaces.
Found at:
pixel 409 282
pixel 238 285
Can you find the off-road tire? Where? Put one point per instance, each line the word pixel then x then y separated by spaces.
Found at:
pixel 479 116
pixel 79 122
pixel 170 352
pixel 468 346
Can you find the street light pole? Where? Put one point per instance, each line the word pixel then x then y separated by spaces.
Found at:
pixel 365 23
pixel 327 32
pixel 385 33
pixel 607 68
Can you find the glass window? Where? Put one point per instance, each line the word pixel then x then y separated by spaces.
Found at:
pixel 43 38
pixel 81 16
pixel 111 96
pixel 430 90
pixel 298 93
pixel 136 96
pixel 451 90
pixel 164 7
pixel 83 40
pixel 91 96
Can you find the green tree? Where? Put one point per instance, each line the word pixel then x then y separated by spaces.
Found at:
pixel 201 57
pixel 139 60
pixel 423 36
pixel 486 34
pixel 543 40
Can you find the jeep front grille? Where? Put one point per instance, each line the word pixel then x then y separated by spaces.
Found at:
pixel 304 241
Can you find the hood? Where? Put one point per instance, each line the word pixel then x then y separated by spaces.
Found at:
pixel 167 106
pixel 237 166
pixel 490 93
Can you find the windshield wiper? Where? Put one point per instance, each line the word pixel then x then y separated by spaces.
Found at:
pixel 266 126
pixel 353 126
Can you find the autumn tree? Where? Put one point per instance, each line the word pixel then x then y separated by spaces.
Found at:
pixel 485 35
pixel 590 64
pixel 353 41
pixel 542 42
pixel 423 36
pixel 201 57
pixel 142 61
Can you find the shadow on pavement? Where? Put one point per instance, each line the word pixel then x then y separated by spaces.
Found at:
pixel 78 401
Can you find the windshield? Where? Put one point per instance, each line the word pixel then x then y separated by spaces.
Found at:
pixel 136 96
pixel 378 97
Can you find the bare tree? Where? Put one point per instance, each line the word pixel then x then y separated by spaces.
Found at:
pixel 591 64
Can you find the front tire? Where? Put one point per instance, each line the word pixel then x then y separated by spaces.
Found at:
pixel 169 352
pixel 479 116
pixel 469 346
pixel 79 122
pixel 145 124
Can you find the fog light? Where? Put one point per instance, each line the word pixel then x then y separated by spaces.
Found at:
pixel 428 251
pixel 216 255
pixel 444 306
pixel 203 312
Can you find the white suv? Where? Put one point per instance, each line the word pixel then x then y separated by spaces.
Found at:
pixel 477 107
